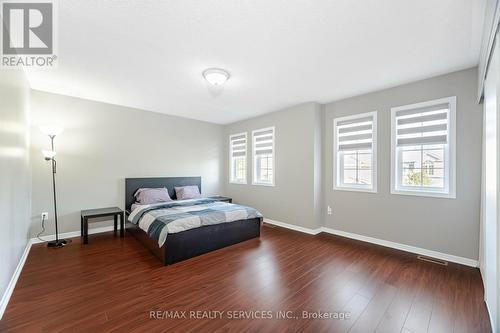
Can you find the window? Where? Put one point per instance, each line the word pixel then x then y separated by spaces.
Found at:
pixel 238 158
pixel 423 148
pixel 263 156
pixel 355 152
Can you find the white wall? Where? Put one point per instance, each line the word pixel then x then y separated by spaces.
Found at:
pixel 490 230
pixel 103 144
pixel 449 226
pixel 15 180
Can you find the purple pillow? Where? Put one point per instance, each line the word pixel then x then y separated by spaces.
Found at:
pixel 134 206
pixel 146 196
pixel 187 192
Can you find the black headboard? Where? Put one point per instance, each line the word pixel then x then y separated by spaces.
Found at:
pixel 133 184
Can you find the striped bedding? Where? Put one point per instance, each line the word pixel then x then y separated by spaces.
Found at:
pixel 159 220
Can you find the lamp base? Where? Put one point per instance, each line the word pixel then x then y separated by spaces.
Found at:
pixel 58 243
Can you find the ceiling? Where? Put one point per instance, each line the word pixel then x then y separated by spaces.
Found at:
pixel 150 54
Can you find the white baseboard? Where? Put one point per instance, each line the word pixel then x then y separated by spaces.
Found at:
pixel 492 323
pixel 72 234
pixel 404 247
pixel 293 227
pixel 13 280
pixel 394 245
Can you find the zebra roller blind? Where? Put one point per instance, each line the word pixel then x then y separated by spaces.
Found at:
pixel 355 153
pixel 238 158
pixel 238 145
pixel 355 134
pixel 263 141
pixel 423 137
pixel 422 126
pixel 263 156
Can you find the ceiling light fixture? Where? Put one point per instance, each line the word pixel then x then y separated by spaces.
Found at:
pixel 216 76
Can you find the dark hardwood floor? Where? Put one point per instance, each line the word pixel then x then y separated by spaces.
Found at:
pixel 113 285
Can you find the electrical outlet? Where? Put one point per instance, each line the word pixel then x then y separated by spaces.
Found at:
pixel 45 215
pixel 329 210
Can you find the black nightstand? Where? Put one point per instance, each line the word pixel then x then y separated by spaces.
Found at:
pixel 221 198
pixel 101 212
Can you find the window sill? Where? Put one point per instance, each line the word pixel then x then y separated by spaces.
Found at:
pixel 355 189
pixel 237 183
pixel 429 194
pixel 263 184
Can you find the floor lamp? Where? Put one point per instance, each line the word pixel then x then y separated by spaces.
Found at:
pixel 50 155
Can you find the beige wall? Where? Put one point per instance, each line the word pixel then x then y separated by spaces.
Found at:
pixel 103 144
pixel 296 196
pixel 15 180
pixel 446 225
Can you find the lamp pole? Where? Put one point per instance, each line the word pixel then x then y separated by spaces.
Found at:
pixel 58 242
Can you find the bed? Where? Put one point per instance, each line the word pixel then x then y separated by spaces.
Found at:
pixel 189 243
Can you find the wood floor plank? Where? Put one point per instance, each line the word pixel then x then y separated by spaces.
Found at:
pixel 113 285
pixel 373 313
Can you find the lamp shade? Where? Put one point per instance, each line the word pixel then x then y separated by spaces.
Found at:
pixel 51 130
pixel 48 154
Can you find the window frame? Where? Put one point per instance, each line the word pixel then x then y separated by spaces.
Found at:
pixel 231 162
pixel 449 153
pixel 336 155
pixel 254 158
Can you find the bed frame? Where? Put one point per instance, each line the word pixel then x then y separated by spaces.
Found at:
pixel 190 243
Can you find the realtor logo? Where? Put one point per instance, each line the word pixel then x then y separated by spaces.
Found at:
pixel 28 33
